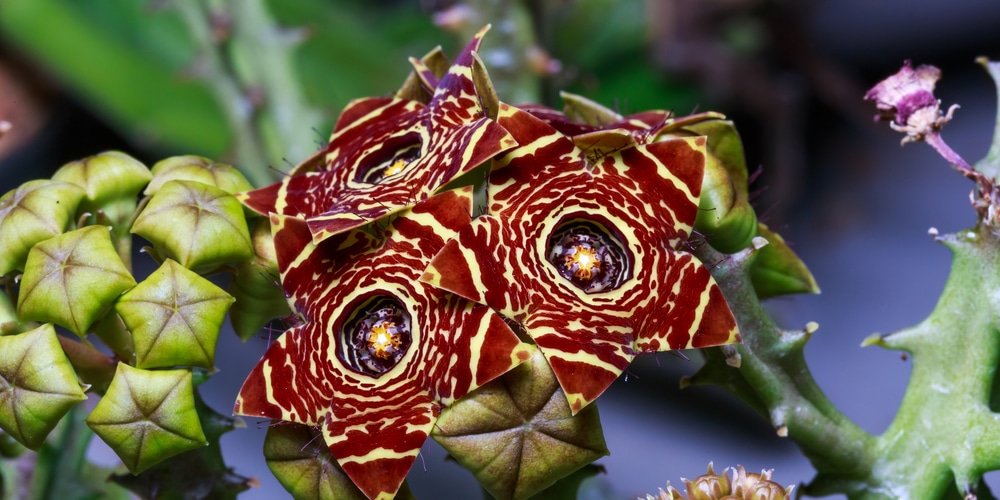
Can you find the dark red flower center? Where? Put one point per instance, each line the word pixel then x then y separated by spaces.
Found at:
pixel 390 159
pixel 587 254
pixel 376 337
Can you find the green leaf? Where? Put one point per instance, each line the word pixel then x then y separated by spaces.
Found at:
pixel 193 475
pixel 139 83
pixel 148 416
pixel 34 212
pixel 175 316
pixel 37 385
pixel 200 169
pixel 198 225
pixel 72 279
pixel 517 434
pixel 778 270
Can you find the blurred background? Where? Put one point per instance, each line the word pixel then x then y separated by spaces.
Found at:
pixel 259 84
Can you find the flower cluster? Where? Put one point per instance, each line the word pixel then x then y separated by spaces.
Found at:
pixel 405 300
pixel 743 485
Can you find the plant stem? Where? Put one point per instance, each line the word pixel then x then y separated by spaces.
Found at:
pixel 773 365
pixel 936 142
pixel 235 104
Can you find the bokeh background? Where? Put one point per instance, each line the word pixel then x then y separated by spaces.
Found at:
pixel 259 83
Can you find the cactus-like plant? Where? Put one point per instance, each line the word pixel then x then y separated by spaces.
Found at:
pixel 456 267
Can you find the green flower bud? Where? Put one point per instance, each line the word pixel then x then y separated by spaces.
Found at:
pixel 517 433
pixel 175 316
pixel 580 109
pixel 777 270
pixel 299 459
pixel 34 212
pixel 256 286
pixel 112 181
pixel 148 416
pixel 37 385
pixel 725 215
pixel 199 169
pixel 198 225
pixel 9 447
pixel 72 279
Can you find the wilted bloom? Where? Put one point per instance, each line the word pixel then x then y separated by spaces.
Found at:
pixel 378 354
pixel 907 100
pixel 582 249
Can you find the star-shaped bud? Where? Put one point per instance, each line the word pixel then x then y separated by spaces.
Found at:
pixel 633 210
pixel 379 353
pixel 389 153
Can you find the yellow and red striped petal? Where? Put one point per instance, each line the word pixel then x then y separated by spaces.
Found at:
pixel 379 353
pixel 581 250
pixel 388 154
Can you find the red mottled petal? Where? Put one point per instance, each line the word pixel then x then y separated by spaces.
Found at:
pixel 283 386
pixel 388 154
pixel 375 424
pixel 376 450
pixel 643 199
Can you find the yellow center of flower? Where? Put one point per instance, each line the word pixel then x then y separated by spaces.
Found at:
pixel 382 342
pixel 585 258
pixel 396 167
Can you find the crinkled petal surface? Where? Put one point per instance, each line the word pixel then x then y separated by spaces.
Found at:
pixel 374 421
pixel 72 279
pixel 389 154
pixel 37 385
pixel 645 199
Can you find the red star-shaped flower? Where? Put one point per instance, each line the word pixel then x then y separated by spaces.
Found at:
pixel 379 353
pixel 581 249
pixel 386 154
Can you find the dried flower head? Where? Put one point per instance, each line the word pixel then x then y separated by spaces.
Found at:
pixel 907 100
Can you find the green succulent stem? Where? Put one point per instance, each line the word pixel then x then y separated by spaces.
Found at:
pixel 944 435
pixel 247 61
pixel 66 454
pixel 771 361
pixel 213 69
pixel 955 353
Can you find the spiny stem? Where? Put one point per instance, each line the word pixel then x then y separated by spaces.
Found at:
pixel 775 367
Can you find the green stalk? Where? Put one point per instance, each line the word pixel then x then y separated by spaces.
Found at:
pixel 772 372
pixel 237 107
pixel 247 60
pixel 61 460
